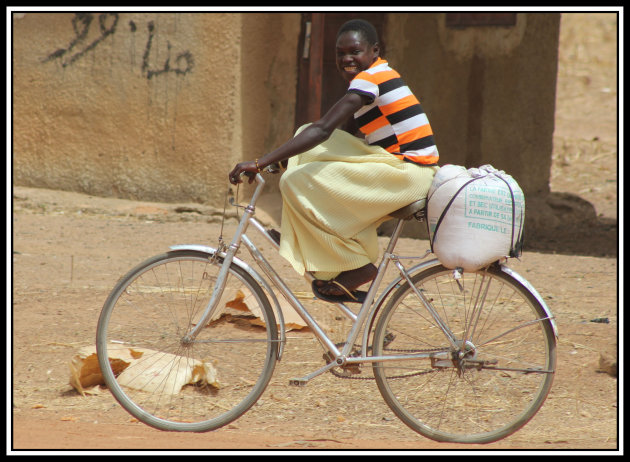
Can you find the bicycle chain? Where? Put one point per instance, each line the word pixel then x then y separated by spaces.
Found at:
pixel 355 353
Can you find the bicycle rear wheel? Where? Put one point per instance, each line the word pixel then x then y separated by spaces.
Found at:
pixel 172 384
pixel 486 384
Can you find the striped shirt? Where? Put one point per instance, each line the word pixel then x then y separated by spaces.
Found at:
pixel 394 118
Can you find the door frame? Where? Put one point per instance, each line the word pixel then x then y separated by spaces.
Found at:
pixel 316 64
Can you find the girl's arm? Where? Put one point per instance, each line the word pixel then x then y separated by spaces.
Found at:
pixel 313 135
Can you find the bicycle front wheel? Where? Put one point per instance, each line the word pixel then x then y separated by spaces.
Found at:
pixel 489 378
pixel 167 381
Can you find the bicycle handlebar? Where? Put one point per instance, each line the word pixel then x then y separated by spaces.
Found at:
pixel 271 168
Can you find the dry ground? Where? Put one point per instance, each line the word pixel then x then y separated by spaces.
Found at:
pixel 69 249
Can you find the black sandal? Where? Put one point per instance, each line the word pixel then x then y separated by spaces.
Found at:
pixel 355 296
pixel 275 235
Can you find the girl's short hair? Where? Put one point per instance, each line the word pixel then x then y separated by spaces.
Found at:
pixel 365 28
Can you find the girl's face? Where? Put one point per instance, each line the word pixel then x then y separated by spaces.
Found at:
pixel 354 54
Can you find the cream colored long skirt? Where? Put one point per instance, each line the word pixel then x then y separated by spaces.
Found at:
pixel 334 198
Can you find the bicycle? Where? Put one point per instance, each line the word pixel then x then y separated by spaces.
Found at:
pixel 464 357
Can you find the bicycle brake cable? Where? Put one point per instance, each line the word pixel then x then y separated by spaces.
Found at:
pixel 221 245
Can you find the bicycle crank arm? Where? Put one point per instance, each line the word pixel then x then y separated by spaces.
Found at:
pixel 302 381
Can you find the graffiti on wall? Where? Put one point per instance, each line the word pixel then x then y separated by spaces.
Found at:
pixel 80 45
pixel 183 61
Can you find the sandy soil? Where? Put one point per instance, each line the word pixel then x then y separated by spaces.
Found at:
pixel 69 250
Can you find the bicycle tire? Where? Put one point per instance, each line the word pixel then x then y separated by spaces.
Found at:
pixel 177 386
pixel 477 391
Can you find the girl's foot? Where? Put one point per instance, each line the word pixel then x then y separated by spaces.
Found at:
pixel 350 280
pixel 275 235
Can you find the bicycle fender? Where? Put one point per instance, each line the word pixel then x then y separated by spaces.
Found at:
pixel 536 295
pixel 249 270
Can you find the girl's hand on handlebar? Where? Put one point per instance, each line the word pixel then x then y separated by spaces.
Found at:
pixel 248 168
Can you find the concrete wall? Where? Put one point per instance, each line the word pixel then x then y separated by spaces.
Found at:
pixel 159 106
pixel 154 106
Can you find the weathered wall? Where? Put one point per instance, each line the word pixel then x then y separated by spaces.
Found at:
pixel 489 90
pixel 159 106
pixel 156 106
pixel 269 81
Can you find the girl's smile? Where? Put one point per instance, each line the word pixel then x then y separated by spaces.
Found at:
pixel 354 54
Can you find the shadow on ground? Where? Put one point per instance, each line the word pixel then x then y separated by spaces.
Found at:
pixel 564 223
pixel 600 239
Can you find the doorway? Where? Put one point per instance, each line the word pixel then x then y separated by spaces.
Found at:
pixel 319 84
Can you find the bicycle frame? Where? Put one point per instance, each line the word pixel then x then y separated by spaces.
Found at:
pixel 366 314
pixel 445 348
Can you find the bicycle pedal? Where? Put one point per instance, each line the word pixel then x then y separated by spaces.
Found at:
pixel 298 382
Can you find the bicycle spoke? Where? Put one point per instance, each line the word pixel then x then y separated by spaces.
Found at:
pixel 156 373
pixel 495 378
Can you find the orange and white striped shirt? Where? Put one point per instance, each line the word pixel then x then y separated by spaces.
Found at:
pixel 394 119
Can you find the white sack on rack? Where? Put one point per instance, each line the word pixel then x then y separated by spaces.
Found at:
pixel 475 216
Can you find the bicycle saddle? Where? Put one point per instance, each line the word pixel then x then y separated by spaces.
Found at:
pixel 408 211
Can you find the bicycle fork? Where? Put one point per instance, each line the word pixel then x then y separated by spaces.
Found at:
pixel 216 296
pixel 225 266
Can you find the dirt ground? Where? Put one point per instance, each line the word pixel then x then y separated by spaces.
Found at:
pixel 68 250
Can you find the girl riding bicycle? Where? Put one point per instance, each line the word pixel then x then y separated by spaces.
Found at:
pixel 338 187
